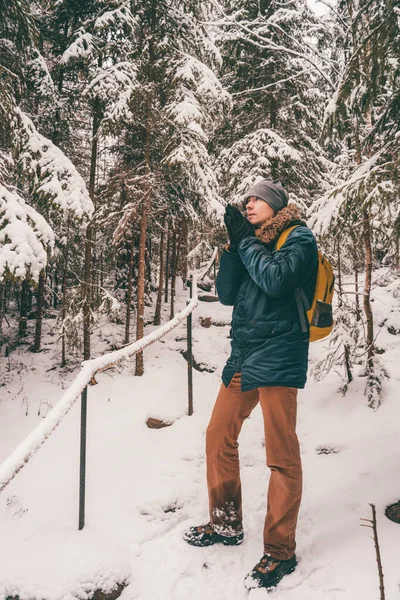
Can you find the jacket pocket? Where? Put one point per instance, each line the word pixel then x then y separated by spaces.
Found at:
pixel 261 329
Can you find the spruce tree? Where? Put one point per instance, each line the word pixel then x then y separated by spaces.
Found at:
pixel 164 160
pixel 278 71
pixel 361 115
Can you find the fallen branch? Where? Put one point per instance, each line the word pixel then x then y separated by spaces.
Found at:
pixel 373 526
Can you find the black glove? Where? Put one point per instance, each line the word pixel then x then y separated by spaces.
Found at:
pixel 238 227
pixel 227 220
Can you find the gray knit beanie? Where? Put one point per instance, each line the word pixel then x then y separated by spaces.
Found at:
pixel 271 191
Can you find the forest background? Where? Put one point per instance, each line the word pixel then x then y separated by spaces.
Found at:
pixel 126 126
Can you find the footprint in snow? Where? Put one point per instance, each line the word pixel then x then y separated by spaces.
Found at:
pixel 186 587
pixel 15 507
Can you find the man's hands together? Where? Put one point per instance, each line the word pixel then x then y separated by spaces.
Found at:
pixel 238 227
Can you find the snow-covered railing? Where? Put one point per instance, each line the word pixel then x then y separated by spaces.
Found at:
pixel 28 448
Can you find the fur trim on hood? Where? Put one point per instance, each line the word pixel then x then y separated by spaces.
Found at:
pixel 271 229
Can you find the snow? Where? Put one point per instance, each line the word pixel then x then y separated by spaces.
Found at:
pixel 325 211
pixel 82 47
pixel 32 443
pixel 145 486
pixel 199 249
pixel 24 237
pixel 59 179
pixel 317 7
pixel 194 111
pixel 251 158
pixel 195 72
pixel 114 86
pixel 208 265
pixel 120 16
pixel 186 111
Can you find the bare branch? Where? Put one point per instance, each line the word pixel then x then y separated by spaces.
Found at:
pixel 267 45
pixel 271 84
pixel 304 43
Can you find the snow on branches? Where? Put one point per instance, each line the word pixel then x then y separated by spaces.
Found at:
pixel 82 47
pixel 24 237
pixel 52 176
pixel 196 107
pixel 366 188
pixel 251 158
pixel 193 75
pixel 120 16
pixel 114 86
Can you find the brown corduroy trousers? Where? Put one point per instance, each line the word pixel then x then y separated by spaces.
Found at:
pixel 279 408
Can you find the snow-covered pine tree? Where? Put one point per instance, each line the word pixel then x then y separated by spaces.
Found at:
pixel 53 184
pixel 25 239
pixel 362 115
pixel 277 68
pixel 346 340
pixel 164 154
pixel 91 52
pixel 25 236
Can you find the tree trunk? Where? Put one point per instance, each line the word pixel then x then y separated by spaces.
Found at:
pixel 147 200
pixel 63 315
pixel 129 291
pixel 39 310
pixel 347 362
pixel 367 290
pixel 23 315
pixel 148 256
pixel 146 205
pixel 141 281
pixel 64 299
pixel 173 275
pixel 87 286
pixel 339 271
pixel 2 308
pixel 174 268
pixel 30 298
pixel 355 261
pixel 55 289
pixel 184 250
pixel 102 270
pixel 157 315
pixel 357 287
pixel 167 264
pixel 87 296
pixel 56 134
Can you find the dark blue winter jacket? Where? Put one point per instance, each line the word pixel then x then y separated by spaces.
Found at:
pixel 268 346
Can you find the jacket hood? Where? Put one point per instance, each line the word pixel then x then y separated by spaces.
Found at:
pixel 272 228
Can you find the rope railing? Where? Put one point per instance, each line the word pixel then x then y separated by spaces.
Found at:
pixel 28 448
pixel 31 444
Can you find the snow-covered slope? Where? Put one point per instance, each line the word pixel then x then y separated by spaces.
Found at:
pixel 145 486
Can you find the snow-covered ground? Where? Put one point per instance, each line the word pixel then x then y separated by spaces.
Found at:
pixel 145 486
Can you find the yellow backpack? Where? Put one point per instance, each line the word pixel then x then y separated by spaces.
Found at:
pixel 319 314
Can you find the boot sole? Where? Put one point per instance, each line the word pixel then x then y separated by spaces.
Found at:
pixel 232 541
pixel 273 578
pixel 204 543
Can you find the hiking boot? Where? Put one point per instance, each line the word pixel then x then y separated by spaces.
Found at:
pixel 269 571
pixel 205 535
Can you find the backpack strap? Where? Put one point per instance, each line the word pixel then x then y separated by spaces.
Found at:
pixel 284 236
pixel 302 305
pixel 301 299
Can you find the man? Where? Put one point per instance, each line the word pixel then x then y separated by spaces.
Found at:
pixel 268 364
